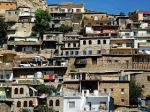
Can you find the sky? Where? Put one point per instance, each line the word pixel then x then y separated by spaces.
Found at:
pixel 110 6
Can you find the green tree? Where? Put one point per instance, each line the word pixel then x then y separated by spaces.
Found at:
pixel 43 18
pixel 135 92
pixel 24 110
pixel 65 28
pixel 45 108
pixel 3 31
pixel 44 89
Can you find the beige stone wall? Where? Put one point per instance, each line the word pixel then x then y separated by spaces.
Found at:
pixel 54 98
pixel 95 46
pixel 24 29
pixel 105 63
pixel 16 109
pixel 19 95
pixel 142 79
pixel 116 93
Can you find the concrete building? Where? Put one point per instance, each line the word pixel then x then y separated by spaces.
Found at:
pixel 94 45
pixel 140 15
pixel 66 8
pixel 4 5
pixel 24 44
pixel 71 45
pixel 87 102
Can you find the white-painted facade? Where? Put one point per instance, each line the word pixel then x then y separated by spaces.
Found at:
pixel 87 102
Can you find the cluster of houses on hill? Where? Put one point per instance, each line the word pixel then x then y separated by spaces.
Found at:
pixel 91 67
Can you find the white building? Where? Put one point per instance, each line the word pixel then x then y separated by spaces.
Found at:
pixel 87 102
pixel 142 40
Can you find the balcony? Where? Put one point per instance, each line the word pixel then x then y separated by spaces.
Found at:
pixel 143 35
pixel 24 43
pixel 146 18
pixel 71 38
pixel 144 44
pixel 80 62
pixel 49 38
pixel 33 81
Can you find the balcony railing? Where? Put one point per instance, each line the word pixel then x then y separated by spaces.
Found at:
pixel 24 43
pixel 30 81
pixel 144 44
pixel 81 62
pixel 70 38
pixel 50 38
pixel 143 35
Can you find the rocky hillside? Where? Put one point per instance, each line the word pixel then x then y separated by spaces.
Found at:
pixel 34 4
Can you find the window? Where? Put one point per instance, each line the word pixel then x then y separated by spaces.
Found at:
pixel 67 53
pixel 68 44
pixel 69 10
pixel 30 103
pixel 112 90
pixel 98 51
pixel 7 76
pixel 99 42
pixel 104 41
pixel 51 103
pixel 74 44
pixel 78 10
pixel 143 86
pixel 116 61
pixel 105 90
pixel 90 42
pixel 72 76
pixel 18 104
pixel 76 52
pixel 16 91
pixel 71 104
pixel 25 104
pixel 122 100
pixel 21 91
pixel 94 61
pixel 90 52
pixel 71 52
pixel 57 102
pixel 84 42
pixel 9 13
pixel 84 52
pixel 122 91
pixel 148 78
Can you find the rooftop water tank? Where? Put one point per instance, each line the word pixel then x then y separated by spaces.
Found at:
pixel 96 93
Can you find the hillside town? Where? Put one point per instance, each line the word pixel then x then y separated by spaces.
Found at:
pixel 80 61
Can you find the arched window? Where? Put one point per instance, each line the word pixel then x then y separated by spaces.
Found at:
pixel 57 102
pixel 51 103
pixel 30 103
pixel 16 91
pixel 21 91
pixel 99 42
pixel 90 42
pixel 25 104
pixel 18 104
pixel 84 42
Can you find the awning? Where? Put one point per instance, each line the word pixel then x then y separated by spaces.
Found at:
pixel 33 89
